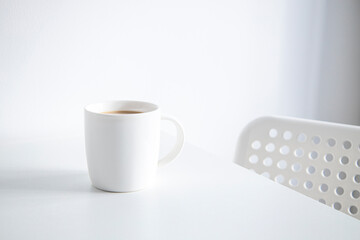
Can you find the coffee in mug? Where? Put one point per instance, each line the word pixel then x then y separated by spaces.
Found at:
pixel 121 112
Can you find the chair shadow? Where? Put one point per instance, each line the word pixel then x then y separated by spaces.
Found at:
pixel 51 181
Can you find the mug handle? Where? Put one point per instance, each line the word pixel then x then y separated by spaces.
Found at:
pixel 179 141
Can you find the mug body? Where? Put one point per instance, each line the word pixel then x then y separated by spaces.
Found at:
pixel 122 149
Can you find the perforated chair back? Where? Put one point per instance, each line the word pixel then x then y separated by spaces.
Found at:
pixel 318 159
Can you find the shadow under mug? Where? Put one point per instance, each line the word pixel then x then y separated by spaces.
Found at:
pixel 122 150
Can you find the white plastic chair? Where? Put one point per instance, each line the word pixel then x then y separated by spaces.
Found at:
pixel 318 159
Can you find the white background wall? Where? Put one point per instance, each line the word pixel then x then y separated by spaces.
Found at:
pixel 338 97
pixel 214 64
pixel 320 66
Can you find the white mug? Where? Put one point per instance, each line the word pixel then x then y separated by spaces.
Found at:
pixel 122 149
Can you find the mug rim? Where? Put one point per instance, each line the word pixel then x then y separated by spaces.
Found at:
pixel 152 108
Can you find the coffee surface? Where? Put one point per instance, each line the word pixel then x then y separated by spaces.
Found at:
pixel 122 112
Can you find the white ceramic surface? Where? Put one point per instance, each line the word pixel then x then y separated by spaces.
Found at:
pixel 122 149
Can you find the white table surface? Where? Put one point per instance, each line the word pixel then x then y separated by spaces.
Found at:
pixel 45 193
